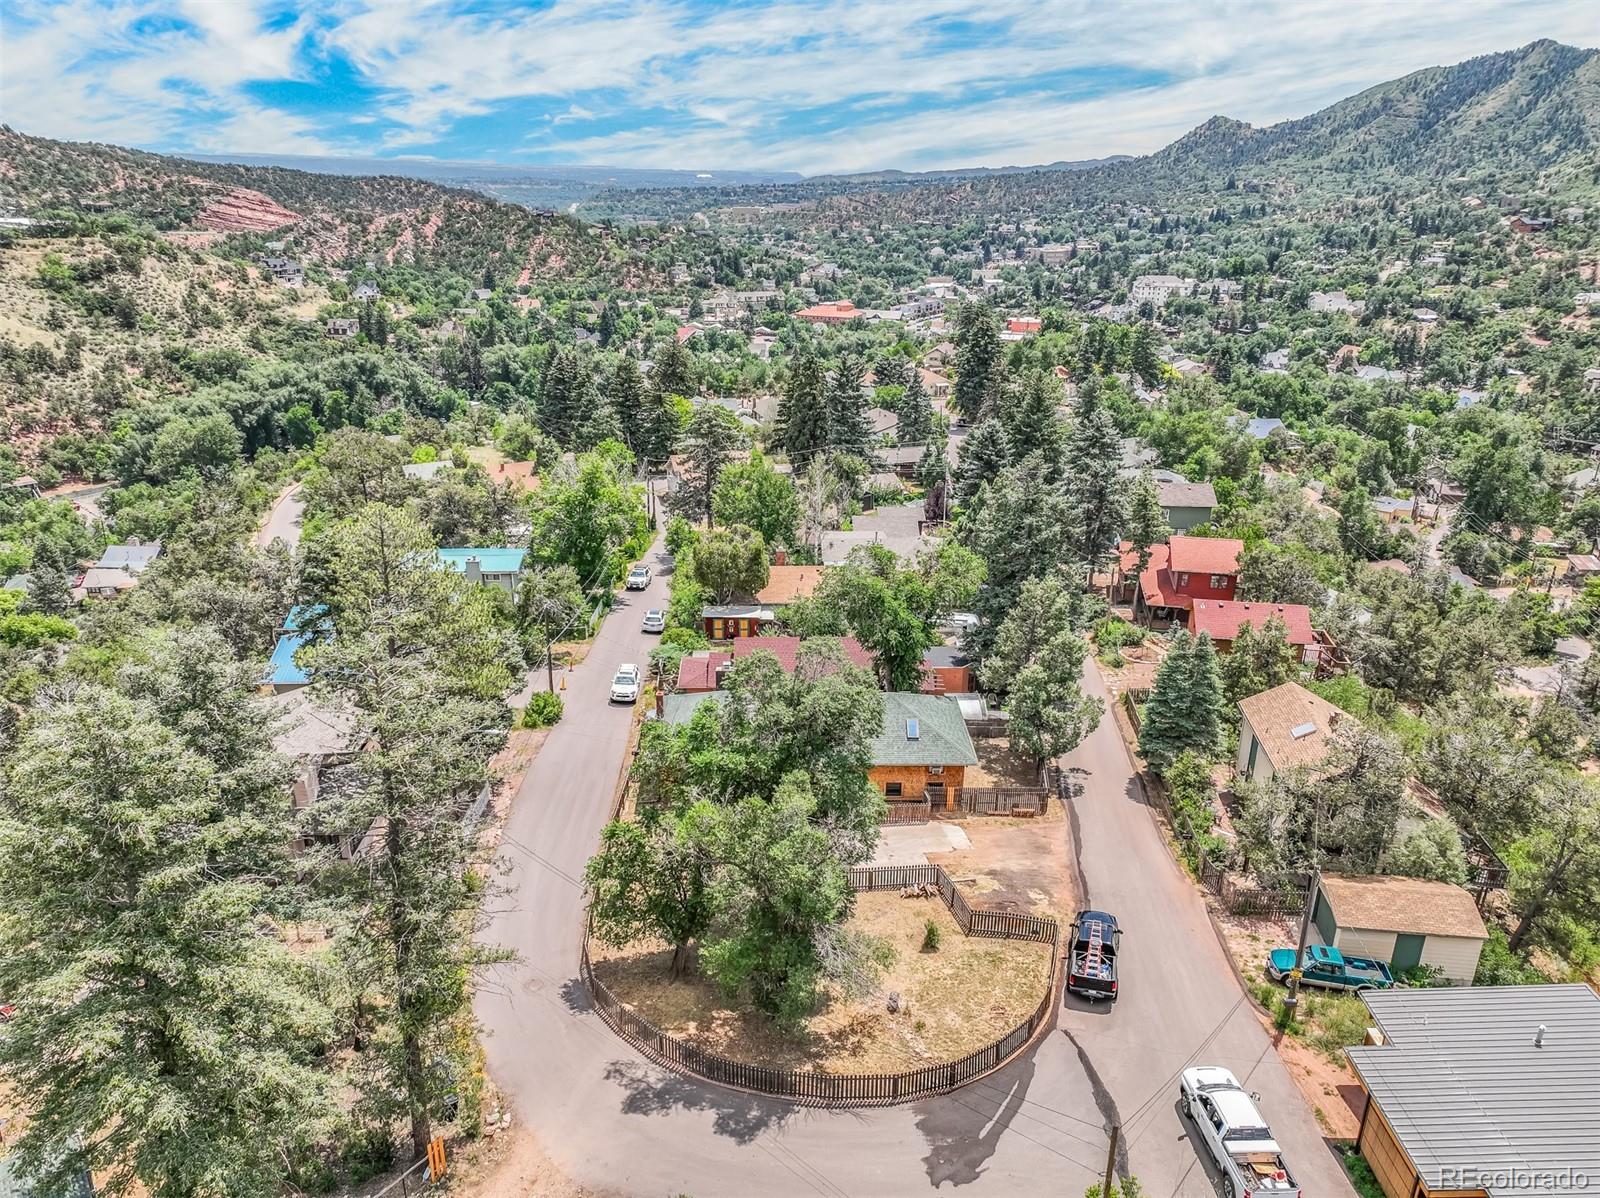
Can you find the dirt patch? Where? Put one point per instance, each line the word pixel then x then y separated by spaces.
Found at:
pixel 1313 1052
pixel 513 1164
pixel 1000 765
pixel 958 998
pixel 1016 864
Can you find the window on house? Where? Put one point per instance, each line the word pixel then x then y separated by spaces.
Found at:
pixel 1183 579
pixel 1218 581
pixel 893 790
pixel 936 769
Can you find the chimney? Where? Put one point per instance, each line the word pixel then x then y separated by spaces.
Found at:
pixel 134 541
pixel 780 556
pixel 1538 1037
pixel 474 570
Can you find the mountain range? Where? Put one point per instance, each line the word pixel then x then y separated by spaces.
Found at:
pixel 1511 116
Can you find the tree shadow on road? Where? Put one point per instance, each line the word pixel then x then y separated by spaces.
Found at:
pixel 963 1129
pixel 649 1090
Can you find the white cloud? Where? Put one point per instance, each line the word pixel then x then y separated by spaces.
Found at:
pixel 814 85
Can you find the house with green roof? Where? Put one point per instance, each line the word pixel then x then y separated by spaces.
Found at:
pixel 496 566
pixel 922 751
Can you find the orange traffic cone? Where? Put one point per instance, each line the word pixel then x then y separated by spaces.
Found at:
pixel 563 682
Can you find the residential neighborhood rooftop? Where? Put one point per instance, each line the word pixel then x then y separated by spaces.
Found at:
pixel 923 730
pixel 1418 906
pixel 1277 714
pixel 1490 1088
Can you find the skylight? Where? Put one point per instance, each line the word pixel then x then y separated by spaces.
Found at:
pixel 1302 730
pixel 913 729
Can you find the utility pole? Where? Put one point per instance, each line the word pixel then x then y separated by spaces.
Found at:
pixel 1292 999
pixel 1111 1160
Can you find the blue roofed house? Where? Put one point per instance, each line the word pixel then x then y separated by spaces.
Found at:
pixel 500 566
pixel 303 622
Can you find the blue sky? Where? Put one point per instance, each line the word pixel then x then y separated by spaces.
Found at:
pixel 807 85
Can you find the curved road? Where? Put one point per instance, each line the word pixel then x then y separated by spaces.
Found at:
pixel 617 1123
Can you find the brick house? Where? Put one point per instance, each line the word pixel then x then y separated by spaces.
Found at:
pixel 946 670
pixel 1180 572
pixel 923 751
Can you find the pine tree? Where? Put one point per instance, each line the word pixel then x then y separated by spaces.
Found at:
pixel 1185 706
pixel 1147 519
pixel 984 454
pixel 673 371
pixel 979 367
pixel 563 399
pixel 1142 359
pixel 709 441
pixel 1096 487
pixel 848 430
pixel 915 424
pixel 419 654
pixel 803 414
pixel 159 1036
pixel 1034 424
pixel 49 593
pixel 602 425
pixel 893 370
pixel 627 397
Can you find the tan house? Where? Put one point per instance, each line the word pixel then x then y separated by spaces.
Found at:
pixel 1405 921
pixel 1283 729
pixel 1483 1093
pixel 923 750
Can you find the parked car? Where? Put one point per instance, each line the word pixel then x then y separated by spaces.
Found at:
pixel 638 578
pixel 655 620
pixel 1092 957
pixel 1325 966
pixel 1235 1134
pixel 625 684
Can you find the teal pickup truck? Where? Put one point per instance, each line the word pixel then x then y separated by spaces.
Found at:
pixel 1327 967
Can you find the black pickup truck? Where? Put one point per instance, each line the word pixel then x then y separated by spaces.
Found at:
pixel 1092 955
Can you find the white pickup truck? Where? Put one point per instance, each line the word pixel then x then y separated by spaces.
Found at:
pixel 1236 1137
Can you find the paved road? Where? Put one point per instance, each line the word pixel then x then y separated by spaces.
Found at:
pixel 1038 1127
pixel 283 520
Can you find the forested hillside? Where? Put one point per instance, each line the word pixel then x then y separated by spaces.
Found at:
pixel 1500 119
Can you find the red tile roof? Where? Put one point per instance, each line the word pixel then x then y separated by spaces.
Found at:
pixel 1205 555
pixel 698 671
pixel 1222 618
pixel 787 648
pixel 1023 324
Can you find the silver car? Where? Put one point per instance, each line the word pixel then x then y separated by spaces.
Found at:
pixel 655 620
pixel 638 578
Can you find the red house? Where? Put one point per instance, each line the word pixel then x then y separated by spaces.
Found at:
pixel 1023 324
pixel 1221 620
pixel 1180 572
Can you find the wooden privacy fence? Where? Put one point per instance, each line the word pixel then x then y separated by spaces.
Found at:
pixel 1002 800
pixel 812 1088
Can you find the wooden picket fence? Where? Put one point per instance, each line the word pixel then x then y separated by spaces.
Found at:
pixel 908 811
pixel 813 1088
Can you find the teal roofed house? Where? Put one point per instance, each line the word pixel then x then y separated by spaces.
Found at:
pixel 302 623
pixel 501 567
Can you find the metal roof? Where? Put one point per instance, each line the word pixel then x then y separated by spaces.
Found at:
pixel 1473 1101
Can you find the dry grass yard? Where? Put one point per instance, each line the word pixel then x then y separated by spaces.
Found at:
pixel 955 999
